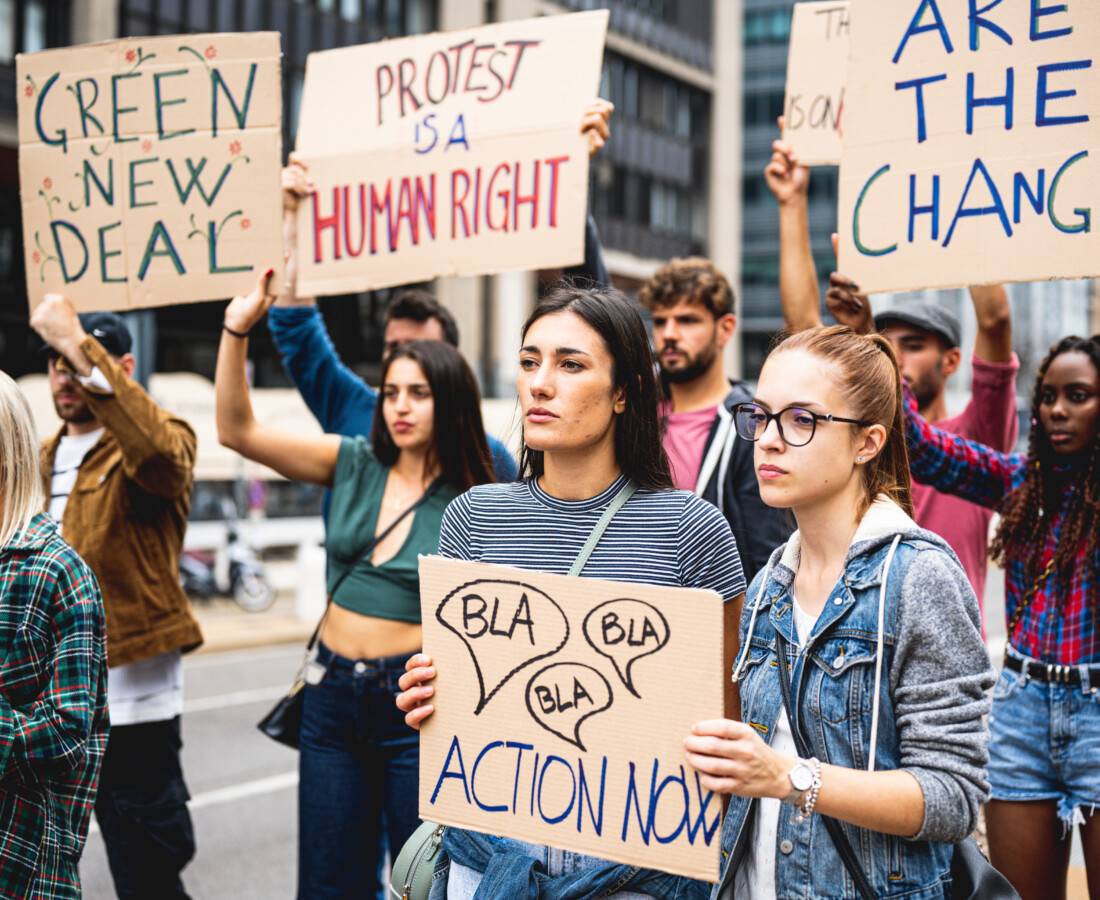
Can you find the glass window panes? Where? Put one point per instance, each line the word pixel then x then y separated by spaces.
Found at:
pixel 34 26
pixel 7 31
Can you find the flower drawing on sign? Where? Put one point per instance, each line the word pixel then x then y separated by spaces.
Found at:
pixel 47 183
pixel 41 256
pixel 246 223
pixel 28 91
pixel 136 57
pixel 31 88
pixel 146 145
pixel 131 55
pixel 211 52
pixel 235 148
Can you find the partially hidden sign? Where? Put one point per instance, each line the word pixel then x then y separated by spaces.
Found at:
pixel 817 68
pixel 149 169
pixel 561 705
pixel 971 137
pixel 446 154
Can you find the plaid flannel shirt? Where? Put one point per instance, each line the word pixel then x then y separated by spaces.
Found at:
pixel 984 476
pixel 53 711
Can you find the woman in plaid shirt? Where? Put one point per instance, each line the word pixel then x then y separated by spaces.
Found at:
pixel 53 677
pixel 1045 751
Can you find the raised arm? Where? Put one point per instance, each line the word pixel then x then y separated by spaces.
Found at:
pixel 994 314
pixel 158 449
pixel 300 457
pixel 798 291
pixel 954 465
pixel 596 125
pixel 339 399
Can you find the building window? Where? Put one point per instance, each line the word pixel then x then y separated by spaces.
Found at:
pixel 763 108
pixel 27 26
pixel 767 26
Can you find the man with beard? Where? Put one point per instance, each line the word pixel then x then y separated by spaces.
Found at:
pixel 692 306
pixel 119 478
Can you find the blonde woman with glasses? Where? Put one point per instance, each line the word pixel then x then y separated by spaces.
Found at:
pixel 53 677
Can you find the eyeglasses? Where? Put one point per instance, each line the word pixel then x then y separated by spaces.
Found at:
pixel 796 425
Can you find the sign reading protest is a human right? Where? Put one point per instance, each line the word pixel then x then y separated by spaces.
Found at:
pixel 449 153
pixel 560 709
pixel 971 143
pixel 817 69
pixel 149 169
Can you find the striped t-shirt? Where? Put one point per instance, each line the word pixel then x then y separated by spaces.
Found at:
pixel 663 537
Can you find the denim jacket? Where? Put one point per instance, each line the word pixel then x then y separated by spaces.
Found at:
pixel 934 675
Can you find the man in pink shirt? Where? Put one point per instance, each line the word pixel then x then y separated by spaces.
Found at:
pixel 925 338
pixel 692 306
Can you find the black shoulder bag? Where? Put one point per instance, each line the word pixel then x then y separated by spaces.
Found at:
pixel 972 875
pixel 284 721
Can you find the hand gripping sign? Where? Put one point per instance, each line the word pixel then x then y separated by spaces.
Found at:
pixel 456 153
pixel 970 143
pixel 561 706
pixel 149 169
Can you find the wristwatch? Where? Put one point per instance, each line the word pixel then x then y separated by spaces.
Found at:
pixel 802 779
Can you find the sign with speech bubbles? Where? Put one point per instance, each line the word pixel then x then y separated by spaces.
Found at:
pixel 461 154
pixel 561 705
pixel 817 66
pixel 149 169
pixel 970 143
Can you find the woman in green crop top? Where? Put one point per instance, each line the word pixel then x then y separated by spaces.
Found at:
pixel 358 760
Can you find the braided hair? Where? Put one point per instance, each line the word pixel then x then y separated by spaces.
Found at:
pixel 1026 512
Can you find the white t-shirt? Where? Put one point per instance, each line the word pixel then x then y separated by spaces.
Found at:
pixel 147 691
pixel 755 878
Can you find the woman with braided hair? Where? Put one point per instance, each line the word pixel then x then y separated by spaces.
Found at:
pixel 1045 726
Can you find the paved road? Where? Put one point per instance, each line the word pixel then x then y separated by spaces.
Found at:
pixel 243 785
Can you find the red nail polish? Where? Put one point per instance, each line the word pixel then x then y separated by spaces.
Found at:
pixel 269 273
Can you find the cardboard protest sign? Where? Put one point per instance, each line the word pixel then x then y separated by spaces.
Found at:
pixel 817 69
pixel 970 139
pixel 561 705
pixel 462 153
pixel 149 169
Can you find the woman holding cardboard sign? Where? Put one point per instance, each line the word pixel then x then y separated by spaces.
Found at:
pixel 428 445
pixel 862 670
pixel 588 394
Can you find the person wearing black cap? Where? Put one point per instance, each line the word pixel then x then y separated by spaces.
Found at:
pixel 119 484
pixel 926 338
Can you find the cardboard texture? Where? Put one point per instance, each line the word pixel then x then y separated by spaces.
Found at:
pixel 970 143
pixel 149 169
pixel 461 155
pixel 561 705
pixel 817 70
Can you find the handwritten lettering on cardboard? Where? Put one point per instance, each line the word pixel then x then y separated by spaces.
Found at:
pixel 817 67
pixel 149 168
pixel 450 153
pixel 561 706
pixel 970 136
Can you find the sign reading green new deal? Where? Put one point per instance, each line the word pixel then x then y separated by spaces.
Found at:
pixel 149 168
pixel 971 143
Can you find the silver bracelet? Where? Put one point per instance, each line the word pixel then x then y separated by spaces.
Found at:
pixel 807 808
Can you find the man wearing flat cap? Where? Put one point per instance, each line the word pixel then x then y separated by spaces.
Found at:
pixel 119 476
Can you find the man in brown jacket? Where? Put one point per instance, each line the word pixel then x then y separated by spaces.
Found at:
pixel 119 480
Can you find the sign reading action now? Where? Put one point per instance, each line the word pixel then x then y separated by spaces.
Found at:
pixel 553 719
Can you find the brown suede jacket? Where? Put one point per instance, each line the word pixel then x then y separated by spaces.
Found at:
pixel 127 514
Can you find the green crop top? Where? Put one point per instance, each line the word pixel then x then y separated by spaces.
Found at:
pixel 391 590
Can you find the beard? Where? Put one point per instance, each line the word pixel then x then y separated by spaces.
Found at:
pixel 77 414
pixel 693 367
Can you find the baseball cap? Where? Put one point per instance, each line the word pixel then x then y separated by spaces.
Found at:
pixel 106 327
pixel 927 317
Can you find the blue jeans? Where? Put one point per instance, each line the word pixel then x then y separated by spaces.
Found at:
pixel 1045 744
pixel 359 764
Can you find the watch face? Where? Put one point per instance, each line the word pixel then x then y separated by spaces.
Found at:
pixel 802 777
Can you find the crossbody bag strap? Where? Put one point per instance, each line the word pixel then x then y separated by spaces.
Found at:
pixel 625 493
pixel 365 552
pixel 833 826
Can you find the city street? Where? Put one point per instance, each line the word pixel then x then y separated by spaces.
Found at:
pixel 243 785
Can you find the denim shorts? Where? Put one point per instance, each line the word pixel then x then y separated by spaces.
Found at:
pixel 1045 744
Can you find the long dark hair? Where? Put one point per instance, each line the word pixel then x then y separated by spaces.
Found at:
pixel 459 447
pixel 1027 513
pixel 638 448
